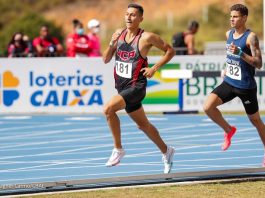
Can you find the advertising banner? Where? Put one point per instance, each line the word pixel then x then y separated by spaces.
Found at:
pixel 84 85
pixel 196 90
pixel 55 85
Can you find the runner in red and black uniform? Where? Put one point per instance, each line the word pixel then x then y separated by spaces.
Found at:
pixel 131 46
pixel 129 80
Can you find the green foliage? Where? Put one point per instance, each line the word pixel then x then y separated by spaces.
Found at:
pixel 255 19
pixel 29 24
pixel 17 15
pixel 214 29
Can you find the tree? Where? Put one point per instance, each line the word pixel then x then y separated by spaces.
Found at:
pixel 29 24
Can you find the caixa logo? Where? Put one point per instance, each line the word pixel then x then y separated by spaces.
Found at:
pixel 8 86
pixel 66 97
pixel 65 90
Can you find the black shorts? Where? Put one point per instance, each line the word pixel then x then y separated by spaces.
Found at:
pixel 248 96
pixel 133 97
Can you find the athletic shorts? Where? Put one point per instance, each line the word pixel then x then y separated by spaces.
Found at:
pixel 133 97
pixel 248 96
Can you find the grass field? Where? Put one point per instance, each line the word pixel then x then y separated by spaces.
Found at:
pixel 246 189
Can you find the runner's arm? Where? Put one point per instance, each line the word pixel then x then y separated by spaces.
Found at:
pixel 223 72
pixel 156 41
pixel 109 52
pixel 255 59
pixel 189 40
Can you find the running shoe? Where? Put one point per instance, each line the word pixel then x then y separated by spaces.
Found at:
pixel 227 138
pixel 167 158
pixel 115 158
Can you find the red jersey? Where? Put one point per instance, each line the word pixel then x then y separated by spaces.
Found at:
pixel 45 42
pixel 95 45
pixel 77 45
pixel 129 62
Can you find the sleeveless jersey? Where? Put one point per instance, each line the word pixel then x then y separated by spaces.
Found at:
pixel 129 62
pixel 239 73
pixel 178 41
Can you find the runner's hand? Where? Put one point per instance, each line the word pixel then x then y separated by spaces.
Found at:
pixel 223 73
pixel 148 72
pixel 233 48
pixel 114 38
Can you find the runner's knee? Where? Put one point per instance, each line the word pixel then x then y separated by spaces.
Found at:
pixel 207 107
pixel 108 110
pixel 255 120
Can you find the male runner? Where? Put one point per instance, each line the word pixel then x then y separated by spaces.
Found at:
pixel 243 57
pixel 131 46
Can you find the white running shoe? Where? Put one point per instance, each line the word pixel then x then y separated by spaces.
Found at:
pixel 115 157
pixel 167 158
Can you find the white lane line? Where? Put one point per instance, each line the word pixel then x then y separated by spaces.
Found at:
pixel 109 145
pixel 16 117
pixel 57 152
pixel 41 133
pixel 128 150
pixel 226 118
pixel 78 130
pixel 30 168
pixel 80 175
pixel 33 127
pixel 56 132
pixel 157 118
pixel 145 154
pixel 83 118
pixel 178 163
pixel 96 165
pixel 6 147
pixel 129 143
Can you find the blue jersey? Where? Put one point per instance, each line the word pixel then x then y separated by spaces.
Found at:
pixel 239 73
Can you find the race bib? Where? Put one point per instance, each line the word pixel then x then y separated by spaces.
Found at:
pixel 123 69
pixel 233 71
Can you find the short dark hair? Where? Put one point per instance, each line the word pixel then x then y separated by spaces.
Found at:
pixel 240 8
pixel 138 7
pixel 76 23
pixel 193 24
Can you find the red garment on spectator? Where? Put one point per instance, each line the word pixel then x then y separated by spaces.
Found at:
pixel 14 51
pixel 45 42
pixel 95 45
pixel 77 45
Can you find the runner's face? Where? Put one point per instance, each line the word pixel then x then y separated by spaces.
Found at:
pixel 133 18
pixel 236 19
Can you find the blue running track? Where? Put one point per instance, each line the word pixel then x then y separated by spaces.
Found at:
pixel 47 148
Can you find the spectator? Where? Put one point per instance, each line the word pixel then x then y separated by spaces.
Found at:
pixel 77 43
pixel 94 28
pixel 28 42
pixel 183 42
pixel 17 47
pixel 47 45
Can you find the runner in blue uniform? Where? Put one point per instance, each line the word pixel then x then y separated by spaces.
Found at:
pixel 131 46
pixel 243 57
